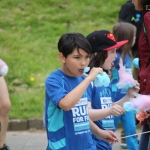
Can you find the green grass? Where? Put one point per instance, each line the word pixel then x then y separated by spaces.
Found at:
pixel 29 32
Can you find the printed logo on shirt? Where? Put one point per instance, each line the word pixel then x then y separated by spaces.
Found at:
pixel 108 122
pixel 80 117
pixel 106 102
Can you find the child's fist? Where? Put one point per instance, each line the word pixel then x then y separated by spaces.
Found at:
pixel 3 68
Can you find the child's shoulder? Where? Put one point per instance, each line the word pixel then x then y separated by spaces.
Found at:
pixel 56 74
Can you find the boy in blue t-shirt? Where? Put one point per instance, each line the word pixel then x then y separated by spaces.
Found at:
pixel 67 93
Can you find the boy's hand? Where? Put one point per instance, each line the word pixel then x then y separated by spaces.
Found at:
pixel 108 136
pixel 134 89
pixel 116 110
pixel 93 73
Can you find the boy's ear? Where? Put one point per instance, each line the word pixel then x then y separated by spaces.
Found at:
pixel 62 57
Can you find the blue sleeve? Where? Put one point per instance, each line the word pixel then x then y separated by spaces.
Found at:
pixel 116 61
pixel 89 92
pixel 54 90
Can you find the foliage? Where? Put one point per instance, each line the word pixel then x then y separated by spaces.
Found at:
pixel 29 32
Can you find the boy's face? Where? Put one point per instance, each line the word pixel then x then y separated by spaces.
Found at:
pixel 109 60
pixel 74 63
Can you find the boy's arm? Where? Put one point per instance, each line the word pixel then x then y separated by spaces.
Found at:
pixel 67 102
pixel 106 135
pixel 97 114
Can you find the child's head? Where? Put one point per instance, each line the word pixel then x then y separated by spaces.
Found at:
pixel 74 52
pixel 104 46
pixel 70 41
pixel 139 4
pixel 125 31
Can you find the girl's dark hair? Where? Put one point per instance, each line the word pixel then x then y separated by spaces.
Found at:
pixel 70 41
pixel 98 59
pixel 124 31
pixel 143 3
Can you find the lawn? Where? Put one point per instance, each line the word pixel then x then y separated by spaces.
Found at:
pixel 29 32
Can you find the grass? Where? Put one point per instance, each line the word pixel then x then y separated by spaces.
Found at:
pixel 29 32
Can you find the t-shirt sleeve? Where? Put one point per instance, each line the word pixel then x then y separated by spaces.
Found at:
pixel 54 90
pixel 89 92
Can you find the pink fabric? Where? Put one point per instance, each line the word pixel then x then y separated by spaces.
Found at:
pixel 142 102
pixel 3 68
pixel 124 76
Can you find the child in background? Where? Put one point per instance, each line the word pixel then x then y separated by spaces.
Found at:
pixel 104 47
pixel 5 106
pixel 66 103
pixel 124 31
pixel 128 14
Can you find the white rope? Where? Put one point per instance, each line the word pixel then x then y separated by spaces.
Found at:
pixel 133 135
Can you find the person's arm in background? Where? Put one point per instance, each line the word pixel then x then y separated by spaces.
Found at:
pixel 147 26
pixel 3 68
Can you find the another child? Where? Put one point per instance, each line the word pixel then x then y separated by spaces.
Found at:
pixel 67 121
pixel 104 46
pixel 128 14
pixel 144 63
pixel 124 31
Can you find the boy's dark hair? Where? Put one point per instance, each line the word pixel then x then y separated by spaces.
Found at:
pixel 70 41
pixel 143 3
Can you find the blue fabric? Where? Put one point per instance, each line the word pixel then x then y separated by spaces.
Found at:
pixel 101 99
pixel 144 139
pixel 66 130
pixel 129 127
pixel 127 119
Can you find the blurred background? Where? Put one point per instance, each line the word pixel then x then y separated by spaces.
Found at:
pixel 29 32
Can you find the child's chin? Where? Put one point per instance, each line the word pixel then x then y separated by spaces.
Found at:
pixel 108 68
pixel 80 74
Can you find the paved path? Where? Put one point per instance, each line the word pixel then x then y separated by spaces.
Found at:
pixel 36 140
pixel 117 145
pixel 27 140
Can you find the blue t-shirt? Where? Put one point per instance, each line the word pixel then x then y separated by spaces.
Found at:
pixel 66 130
pixel 127 62
pixel 101 99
